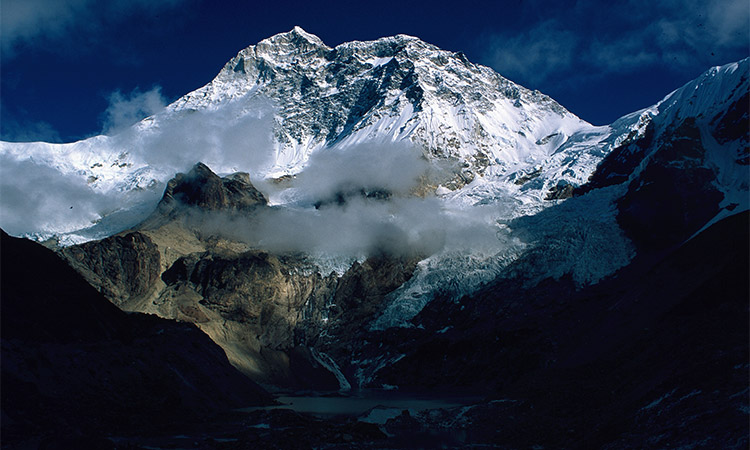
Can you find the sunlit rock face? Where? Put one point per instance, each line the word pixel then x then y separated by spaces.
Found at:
pixel 121 267
pixel 268 311
pixel 204 189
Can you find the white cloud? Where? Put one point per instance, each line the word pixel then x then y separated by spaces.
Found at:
pixel 393 166
pixel 125 110
pixel 36 197
pixel 236 137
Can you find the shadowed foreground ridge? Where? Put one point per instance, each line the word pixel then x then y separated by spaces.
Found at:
pixel 74 364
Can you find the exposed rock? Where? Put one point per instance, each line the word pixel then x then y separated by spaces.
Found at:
pixel 123 268
pixel 261 291
pixel 340 198
pixel 560 191
pixel 523 178
pixel 202 188
pixel 266 310
pixel 360 293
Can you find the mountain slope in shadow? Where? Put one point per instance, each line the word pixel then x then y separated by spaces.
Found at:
pixel 73 364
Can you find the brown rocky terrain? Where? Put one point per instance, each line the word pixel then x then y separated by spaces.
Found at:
pixel 265 310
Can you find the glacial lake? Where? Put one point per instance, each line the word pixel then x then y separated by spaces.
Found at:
pixel 374 406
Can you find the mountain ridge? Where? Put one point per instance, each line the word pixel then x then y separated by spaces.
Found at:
pixel 414 221
pixel 275 117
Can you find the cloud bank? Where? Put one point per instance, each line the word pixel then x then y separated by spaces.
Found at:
pixel 40 197
pixel 394 167
pixel 350 224
pixel 236 137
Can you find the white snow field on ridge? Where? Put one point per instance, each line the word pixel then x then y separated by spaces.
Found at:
pixel 288 97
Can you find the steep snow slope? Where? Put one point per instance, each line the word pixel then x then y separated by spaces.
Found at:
pixel 290 96
pixel 694 142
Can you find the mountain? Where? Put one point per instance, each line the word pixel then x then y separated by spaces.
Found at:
pixel 218 254
pixel 289 97
pixel 261 307
pixel 74 364
pixel 387 214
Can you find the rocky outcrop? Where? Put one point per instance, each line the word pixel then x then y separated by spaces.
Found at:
pixel 267 311
pixel 358 299
pixel 272 309
pixel 124 267
pixel 204 189
pixel 560 191
pixel 263 292
pixel 73 364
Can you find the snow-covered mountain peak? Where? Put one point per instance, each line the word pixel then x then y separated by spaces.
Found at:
pixel 279 102
pixel 709 94
pixel 391 89
pixel 292 47
pixel 288 97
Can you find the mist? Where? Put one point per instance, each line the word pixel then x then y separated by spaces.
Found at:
pixel 326 209
pixel 124 110
pixel 236 137
pixel 39 197
pixel 392 167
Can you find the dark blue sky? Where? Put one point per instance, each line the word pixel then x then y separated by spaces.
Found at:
pixel 69 68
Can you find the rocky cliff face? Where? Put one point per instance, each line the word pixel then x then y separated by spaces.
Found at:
pixel 123 268
pixel 269 312
pixel 204 189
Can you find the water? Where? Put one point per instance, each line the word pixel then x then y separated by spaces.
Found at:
pixel 374 406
